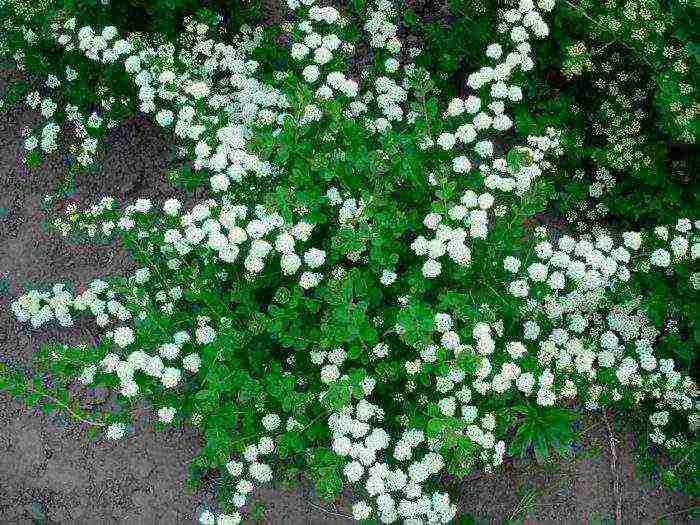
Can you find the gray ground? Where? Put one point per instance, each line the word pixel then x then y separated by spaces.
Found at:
pixel 47 462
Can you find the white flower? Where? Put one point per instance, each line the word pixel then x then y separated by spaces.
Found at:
pixel 234 468
pixel 485 201
pixel 447 406
pixel 132 64
pixel 431 268
pixel 361 510
pixel 446 141
pixel 170 377
pixel 166 414
pixel 172 207
pixel 545 397
pixel 679 246
pixel 472 104
pixel 123 336
pixel 455 107
pixel 290 263
pixel 309 280
pixel 299 51
pixel 511 264
pixel 238 499
pixel 329 373
pixel 537 272
pixel 205 335
pixel 322 55
pixel 432 220
pixel 244 486
pixel 260 472
pixel 632 240
pixel 164 117
pixel 461 164
pixel 251 453
pixel 228 519
pixel 181 337
pixel 660 258
pixel 169 351
pixel 494 51
pixel 354 471
pixel 116 431
pixel 311 73
pixel 271 422
pixel 387 277
pixel 207 518
pixel 519 288
pixel 219 182
pixel 266 446
pixel 191 363
pixel 314 257
pixel 380 350
pixel 88 375
pixel 342 445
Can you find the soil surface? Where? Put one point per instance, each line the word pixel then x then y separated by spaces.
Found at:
pixel 49 467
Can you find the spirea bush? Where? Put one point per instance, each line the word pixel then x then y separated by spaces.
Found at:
pixel 627 84
pixel 364 297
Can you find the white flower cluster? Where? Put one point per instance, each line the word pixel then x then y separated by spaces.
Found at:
pixel 451 241
pixel 39 308
pixel 586 265
pixel 101 301
pixel 228 234
pixel 351 216
pixel 386 93
pixel 240 99
pixel 151 365
pixel 587 335
pixel 258 471
pixel 679 243
pixel 223 227
pixel 314 52
pixel 499 174
pixel 396 493
pixel 85 155
pixel 573 343
pixel 596 263
pixel 603 182
pixel 493 84
pixel 458 401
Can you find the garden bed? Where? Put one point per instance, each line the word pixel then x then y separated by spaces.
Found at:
pixel 48 464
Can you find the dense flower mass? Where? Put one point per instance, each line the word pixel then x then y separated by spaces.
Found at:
pixel 361 292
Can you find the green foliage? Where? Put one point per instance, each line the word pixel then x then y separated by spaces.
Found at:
pixel 643 124
pixel 541 430
pixel 160 16
pixel 369 207
pixel 325 470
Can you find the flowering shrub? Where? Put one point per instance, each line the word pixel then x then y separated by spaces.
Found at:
pixel 363 296
pixel 632 100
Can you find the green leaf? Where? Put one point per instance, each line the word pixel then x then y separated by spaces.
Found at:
pixel 431 107
pixel 434 427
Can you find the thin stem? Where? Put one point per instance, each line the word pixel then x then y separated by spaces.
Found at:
pixel 600 50
pixel 328 512
pixel 323 413
pixel 69 409
pixel 496 293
